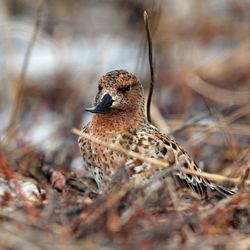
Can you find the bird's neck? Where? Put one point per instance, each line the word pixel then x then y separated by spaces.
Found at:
pixel 116 122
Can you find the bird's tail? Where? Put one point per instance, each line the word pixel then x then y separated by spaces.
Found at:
pixel 222 191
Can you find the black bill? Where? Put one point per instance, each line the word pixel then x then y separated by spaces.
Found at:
pixel 103 105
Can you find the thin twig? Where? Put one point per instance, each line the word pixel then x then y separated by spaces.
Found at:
pixel 236 129
pixel 20 87
pixel 244 177
pixel 215 93
pixel 158 120
pixel 221 122
pixel 213 177
pixel 111 201
pixel 150 58
pixel 192 122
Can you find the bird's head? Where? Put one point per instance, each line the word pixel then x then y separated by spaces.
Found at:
pixel 118 91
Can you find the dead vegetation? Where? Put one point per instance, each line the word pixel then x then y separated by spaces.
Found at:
pixel 201 98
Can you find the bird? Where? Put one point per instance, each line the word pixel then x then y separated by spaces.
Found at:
pixel 119 118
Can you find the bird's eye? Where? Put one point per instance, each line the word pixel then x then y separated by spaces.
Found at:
pixel 125 89
pixel 99 88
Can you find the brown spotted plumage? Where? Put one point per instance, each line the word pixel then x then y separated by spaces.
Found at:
pixel 119 119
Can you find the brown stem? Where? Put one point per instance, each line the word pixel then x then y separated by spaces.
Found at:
pixel 150 58
pixel 20 87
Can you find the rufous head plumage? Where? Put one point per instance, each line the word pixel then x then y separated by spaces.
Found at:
pixel 118 91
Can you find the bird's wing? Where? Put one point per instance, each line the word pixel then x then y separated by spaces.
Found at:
pixel 154 144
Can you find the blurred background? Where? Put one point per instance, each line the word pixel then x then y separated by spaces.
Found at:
pixel 201 60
